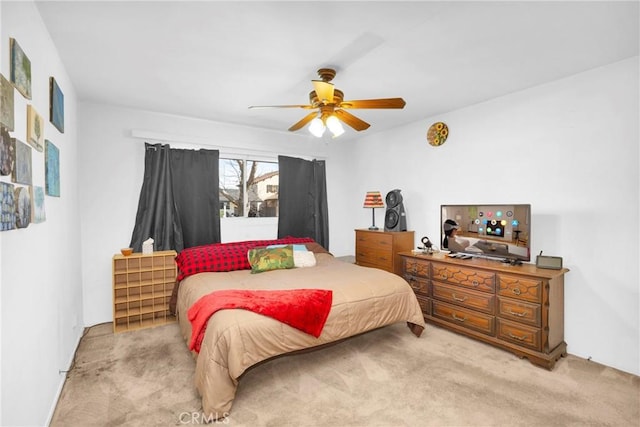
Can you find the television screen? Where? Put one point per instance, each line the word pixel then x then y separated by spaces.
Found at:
pixel 490 231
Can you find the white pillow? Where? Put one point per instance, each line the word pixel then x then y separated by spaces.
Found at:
pixel 304 259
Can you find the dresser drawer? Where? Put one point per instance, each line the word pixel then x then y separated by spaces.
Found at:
pixel 519 334
pixel 425 304
pixel 374 257
pixel 522 288
pixel 520 311
pixel 416 267
pixel 420 286
pixel 467 318
pixel 374 240
pixel 474 279
pixel 475 300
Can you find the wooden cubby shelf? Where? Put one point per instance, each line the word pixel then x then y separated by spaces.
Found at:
pixel 142 287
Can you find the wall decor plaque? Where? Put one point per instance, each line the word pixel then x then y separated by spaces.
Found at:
pixel 21 173
pixel 56 105
pixel 20 69
pixel 35 128
pixel 37 204
pixel 437 134
pixel 8 207
pixel 52 169
pixel 6 104
pixel 7 152
pixel 22 200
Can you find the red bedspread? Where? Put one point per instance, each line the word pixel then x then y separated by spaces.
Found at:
pixel 304 309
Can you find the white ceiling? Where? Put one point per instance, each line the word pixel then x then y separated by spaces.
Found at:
pixel 213 59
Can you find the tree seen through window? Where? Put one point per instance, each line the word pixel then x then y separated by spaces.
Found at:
pixel 248 188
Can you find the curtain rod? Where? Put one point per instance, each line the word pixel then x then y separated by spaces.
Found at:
pixel 205 143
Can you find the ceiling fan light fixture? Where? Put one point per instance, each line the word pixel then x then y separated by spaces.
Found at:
pixel 335 126
pixel 329 101
pixel 316 127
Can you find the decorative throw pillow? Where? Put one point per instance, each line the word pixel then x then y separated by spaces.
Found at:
pixel 270 259
pixel 304 258
pixel 301 256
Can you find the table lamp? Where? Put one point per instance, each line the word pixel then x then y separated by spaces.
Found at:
pixel 373 200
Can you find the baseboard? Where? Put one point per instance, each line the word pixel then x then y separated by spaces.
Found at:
pixel 63 378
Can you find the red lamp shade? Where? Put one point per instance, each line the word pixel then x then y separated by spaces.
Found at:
pixel 373 199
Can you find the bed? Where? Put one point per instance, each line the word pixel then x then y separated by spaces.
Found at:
pixel 363 299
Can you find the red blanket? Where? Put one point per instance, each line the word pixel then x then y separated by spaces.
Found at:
pixel 304 309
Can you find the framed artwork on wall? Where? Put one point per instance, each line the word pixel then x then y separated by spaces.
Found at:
pixel 35 128
pixel 7 207
pixel 7 152
pixel 37 200
pixel 22 200
pixel 6 103
pixel 56 105
pixel 20 69
pixel 22 169
pixel 52 169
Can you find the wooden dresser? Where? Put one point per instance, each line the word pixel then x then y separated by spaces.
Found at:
pixel 380 249
pixel 517 308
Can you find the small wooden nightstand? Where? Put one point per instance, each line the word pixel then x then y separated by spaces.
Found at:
pixel 379 249
pixel 142 287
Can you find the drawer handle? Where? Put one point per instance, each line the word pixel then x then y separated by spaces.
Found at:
pixel 459 319
pixel 516 291
pixel 517 337
pixel 458 299
pixel 475 283
pixel 443 276
pixel 518 314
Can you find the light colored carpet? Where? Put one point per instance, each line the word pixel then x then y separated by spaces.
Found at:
pixel 386 377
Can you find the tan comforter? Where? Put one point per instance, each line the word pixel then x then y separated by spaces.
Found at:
pixel 363 299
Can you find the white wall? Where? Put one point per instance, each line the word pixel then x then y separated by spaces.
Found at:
pixel 111 173
pixel 41 293
pixel 570 148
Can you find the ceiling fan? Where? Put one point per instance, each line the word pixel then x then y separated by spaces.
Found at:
pixel 330 107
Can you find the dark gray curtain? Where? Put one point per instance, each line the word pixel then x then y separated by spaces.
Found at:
pixel 302 199
pixel 179 200
pixel 196 194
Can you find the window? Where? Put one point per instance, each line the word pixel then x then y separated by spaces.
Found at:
pixel 248 188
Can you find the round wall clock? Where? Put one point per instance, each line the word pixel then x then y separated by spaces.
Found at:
pixel 437 134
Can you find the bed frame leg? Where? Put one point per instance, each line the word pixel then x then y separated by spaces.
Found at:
pixel 416 329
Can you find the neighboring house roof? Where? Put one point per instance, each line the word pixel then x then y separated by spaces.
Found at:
pixel 234 193
pixel 265 176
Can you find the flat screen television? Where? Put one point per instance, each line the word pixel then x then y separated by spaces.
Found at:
pixel 491 231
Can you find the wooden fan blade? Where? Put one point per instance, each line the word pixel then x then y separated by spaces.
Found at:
pixel 351 120
pixel 306 119
pixel 324 91
pixel 374 103
pixel 283 106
